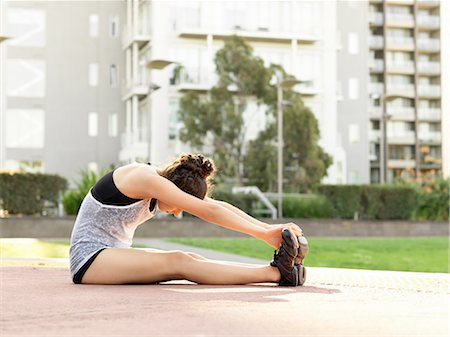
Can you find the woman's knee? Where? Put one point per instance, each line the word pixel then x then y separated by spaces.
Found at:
pixel 181 260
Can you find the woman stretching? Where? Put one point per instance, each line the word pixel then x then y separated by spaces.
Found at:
pixel 100 250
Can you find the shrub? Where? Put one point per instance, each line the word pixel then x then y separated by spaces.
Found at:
pixel 72 199
pixel 306 206
pixel 245 202
pixel 28 193
pixel 432 200
pixel 370 201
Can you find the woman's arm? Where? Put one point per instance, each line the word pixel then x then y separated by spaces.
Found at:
pixel 154 186
pixel 239 212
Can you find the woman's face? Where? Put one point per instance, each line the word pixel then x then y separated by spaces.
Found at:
pixel 169 209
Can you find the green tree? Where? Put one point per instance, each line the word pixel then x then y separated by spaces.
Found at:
pixel 217 119
pixel 305 162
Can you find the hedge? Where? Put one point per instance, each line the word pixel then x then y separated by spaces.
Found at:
pixel 370 201
pixel 29 193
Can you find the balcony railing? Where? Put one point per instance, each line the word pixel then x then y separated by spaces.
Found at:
pixel 431 45
pixel 400 137
pixel 428 3
pixel 430 136
pixel 401 113
pixel 376 42
pixel 400 19
pixel 406 66
pixel 400 89
pixel 376 65
pixel 429 67
pixel 431 114
pixel 376 18
pixel 428 21
pixel 376 88
pixel 429 91
pixel 374 135
pixel 399 42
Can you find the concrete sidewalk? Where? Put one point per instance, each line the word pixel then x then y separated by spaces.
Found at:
pixel 41 301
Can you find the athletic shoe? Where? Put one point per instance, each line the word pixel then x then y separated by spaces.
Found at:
pixel 284 259
pixel 303 249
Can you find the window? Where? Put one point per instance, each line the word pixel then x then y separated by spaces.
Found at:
pixel 353 133
pixel 93 74
pixel 93 25
pixel 113 77
pixel 25 128
pixel 112 125
pixel 353 45
pixel 353 89
pixel 26 27
pixel 114 26
pixel 93 124
pixel 25 78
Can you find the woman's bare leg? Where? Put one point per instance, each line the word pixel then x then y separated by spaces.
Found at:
pixel 120 266
pixel 200 257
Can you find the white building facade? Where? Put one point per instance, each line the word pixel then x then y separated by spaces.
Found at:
pixel 189 33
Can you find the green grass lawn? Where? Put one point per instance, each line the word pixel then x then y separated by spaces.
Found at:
pixel 401 254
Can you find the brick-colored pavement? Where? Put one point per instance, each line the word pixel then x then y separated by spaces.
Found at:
pixel 37 298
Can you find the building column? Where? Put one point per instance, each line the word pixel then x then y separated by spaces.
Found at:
pixel 135 28
pixel 135 63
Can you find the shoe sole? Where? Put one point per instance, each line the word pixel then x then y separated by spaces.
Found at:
pixel 301 274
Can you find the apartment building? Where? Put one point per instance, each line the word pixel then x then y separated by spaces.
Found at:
pixel 405 86
pixel 170 47
pixel 352 86
pixel 61 107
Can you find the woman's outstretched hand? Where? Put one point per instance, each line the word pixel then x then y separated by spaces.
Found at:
pixel 273 233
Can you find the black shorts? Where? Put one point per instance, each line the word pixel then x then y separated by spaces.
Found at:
pixel 80 273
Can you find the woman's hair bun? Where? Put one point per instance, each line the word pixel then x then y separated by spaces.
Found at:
pixel 197 163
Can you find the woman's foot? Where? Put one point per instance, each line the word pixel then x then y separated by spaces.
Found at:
pixel 284 260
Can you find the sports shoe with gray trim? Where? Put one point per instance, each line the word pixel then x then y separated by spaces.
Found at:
pixel 284 259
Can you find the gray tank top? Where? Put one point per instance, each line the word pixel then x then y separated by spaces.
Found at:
pixel 100 226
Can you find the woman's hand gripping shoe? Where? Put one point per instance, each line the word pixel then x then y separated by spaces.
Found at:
pixel 284 259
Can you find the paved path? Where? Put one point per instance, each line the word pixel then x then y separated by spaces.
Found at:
pixel 40 301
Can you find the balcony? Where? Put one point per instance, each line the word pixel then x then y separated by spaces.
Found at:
pixel 192 78
pixel 429 91
pixel 428 45
pixel 430 137
pixel 429 68
pixel 428 22
pixel 134 145
pixel 400 2
pixel 374 112
pixel 140 35
pixel 401 163
pixel 400 43
pixel 374 136
pixel 137 87
pixel 376 65
pixel 403 67
pixel 401 113
pixel 401 137
pixel 429 114
pixel 428 3
pixel 406 90
pixel 376 18
pixel 260 35
pixel 376 88
pixel 376 42
pixel 399 20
